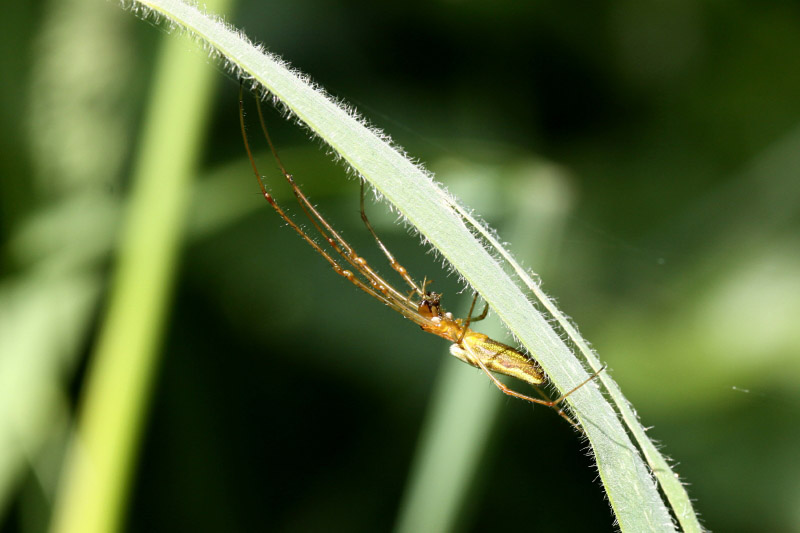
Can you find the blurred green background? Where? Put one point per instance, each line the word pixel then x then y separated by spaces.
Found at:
pixel 644 158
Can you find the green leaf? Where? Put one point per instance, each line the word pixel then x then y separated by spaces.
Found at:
pixel 448 227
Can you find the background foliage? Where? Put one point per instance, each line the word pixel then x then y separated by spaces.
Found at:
pixel 656 145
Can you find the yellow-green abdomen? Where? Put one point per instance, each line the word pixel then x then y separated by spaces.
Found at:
pixel 498 357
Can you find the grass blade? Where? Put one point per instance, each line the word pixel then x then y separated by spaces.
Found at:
pixel 631 489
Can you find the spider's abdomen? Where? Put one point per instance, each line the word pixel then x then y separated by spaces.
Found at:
pixel 498 357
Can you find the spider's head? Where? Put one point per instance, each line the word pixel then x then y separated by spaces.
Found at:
pixel 429 305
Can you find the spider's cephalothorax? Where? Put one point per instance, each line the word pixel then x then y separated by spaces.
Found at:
pixel 429 306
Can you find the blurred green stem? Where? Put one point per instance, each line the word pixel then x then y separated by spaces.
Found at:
pixel 113 408
pixel 465 406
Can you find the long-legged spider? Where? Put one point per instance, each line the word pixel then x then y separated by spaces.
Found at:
pixel 419 305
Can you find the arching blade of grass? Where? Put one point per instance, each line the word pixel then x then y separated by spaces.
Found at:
pixel 631 489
